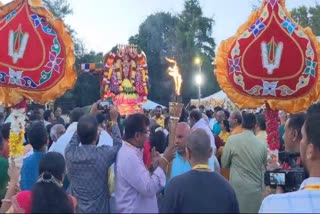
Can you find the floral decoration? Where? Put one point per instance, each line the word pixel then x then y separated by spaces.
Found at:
pixel 272 118
pixel 16 136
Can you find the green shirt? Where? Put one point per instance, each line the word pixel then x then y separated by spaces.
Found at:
pixel 4 178
pixel 246 156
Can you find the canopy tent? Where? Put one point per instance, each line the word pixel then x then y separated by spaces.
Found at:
pixel 217 99
pixel 150 105
pixel 214 99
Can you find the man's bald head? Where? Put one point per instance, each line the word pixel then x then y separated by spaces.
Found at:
pixel 56 132
pixel 220 116
pixel 182 131
pixel 184 126
pixel 235 119
pixel 198 144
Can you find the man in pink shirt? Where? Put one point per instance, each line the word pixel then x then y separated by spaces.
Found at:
pixel 136 188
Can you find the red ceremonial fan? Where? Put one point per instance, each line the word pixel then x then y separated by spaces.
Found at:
pixel 36 56
pixel 271 60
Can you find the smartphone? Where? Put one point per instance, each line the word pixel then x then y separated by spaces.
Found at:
pixel 277 178
pixel 105 104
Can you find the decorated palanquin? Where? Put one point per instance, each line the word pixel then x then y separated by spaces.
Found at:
pixel 125 78
pixel 36 54
pixel 36 62
pixel 272 61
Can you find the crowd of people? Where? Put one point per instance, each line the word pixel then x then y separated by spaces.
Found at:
pixel 101 162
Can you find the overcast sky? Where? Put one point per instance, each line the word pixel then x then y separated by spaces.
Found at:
pixel 102 24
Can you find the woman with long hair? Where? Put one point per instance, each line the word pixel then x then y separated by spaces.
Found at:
pixel 225 131
pixel 47 195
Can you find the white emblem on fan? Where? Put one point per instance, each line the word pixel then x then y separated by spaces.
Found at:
pixel 273 64
pixel 22 40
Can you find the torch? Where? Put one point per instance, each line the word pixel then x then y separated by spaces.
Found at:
pixel 175 108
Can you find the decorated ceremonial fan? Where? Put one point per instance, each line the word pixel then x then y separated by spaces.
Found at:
pixel 36 55
pixel 270 59
pixel 36 62
pixel 273 61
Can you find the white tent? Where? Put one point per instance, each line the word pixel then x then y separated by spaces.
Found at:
pixel 217 96
pixel 150 105
pixel 218 99
pixel 214 98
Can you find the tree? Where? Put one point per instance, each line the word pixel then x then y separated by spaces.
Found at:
pixel 301 15
pixel 182 37
pixel 305 16
pixel 194 39
pixel 308 17
pixel 87 88
pixel 157 39
pixel 59 8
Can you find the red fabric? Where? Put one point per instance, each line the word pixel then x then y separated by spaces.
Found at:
pixel 22 104
pixel 292 66
pixel 22 202
pixel 4 152
pixel 218 141
pixel 34 67
pixel 147 154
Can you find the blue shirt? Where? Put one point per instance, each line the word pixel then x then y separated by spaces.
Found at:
pixel 302 201
pixel 179 166
pixel 30 170
pixel 216 128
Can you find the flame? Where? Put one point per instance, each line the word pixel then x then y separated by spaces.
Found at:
pixel 174 72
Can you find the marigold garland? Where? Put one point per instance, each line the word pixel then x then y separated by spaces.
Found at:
pixel 17 131
pixel 16 144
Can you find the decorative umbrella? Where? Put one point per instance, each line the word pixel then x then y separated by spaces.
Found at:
pixel 36 60
pixel 271 60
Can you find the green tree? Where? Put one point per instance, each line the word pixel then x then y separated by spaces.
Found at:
pixel 87 88
pixel 182 37
pixel 301 15
pixel 194 39
pixel 157 39
pixel 62 9
pixel 305 16
pixel 308 17
pixel 59 8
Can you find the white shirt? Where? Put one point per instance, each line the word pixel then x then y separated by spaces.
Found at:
pixel 302 201
pixel 61 144
pixel 212 121
pixel 136 189
pixel 201 124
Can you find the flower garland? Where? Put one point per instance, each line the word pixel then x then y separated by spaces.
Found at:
pixel 272 122
pixel 16 136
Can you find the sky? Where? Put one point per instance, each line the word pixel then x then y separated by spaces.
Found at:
pixel 102 24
